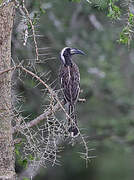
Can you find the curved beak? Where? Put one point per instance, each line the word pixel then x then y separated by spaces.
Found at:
pixel 76 51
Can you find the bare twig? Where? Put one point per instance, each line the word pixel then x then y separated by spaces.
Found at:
pixel 7 70
pixel 33 31
pixel 25 13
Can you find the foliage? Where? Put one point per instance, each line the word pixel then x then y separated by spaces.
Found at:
pixel 114 11
pixel 124 36
pixel 21 162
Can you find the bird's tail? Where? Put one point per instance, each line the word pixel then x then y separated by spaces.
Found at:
pixel 72 122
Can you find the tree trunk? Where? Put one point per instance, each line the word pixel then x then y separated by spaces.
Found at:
pixel 7 171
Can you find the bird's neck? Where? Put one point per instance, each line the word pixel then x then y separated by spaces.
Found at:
pixel 68 61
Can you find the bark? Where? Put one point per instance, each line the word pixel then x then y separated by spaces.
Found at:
pixel 7 171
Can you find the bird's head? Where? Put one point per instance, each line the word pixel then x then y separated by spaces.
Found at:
pixel 67 52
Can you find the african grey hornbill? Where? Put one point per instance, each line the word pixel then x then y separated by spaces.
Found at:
pixel 70 84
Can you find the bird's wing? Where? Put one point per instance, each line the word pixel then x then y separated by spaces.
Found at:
pixel 75 82
pixel 70 82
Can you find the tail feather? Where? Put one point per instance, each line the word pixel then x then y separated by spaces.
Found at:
pixel 72 122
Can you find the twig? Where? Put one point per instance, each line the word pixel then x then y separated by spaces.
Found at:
pixel 25 13
pixel 10 69
pixel 7 70
pixel 33 30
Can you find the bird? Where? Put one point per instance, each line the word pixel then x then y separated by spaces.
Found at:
pixel 70 84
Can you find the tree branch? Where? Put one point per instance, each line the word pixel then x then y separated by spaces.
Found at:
pixel 43 116
pixel 7 70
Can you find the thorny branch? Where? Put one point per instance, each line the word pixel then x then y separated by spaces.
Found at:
pixel 7 70
pixel 33 30
pixel 43 116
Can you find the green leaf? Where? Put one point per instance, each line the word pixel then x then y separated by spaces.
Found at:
pixel 17 152
pixel 131 19
pixel 42 11
pixel 30 157
pixel 24 163
pixel 114 12
pixel 124 36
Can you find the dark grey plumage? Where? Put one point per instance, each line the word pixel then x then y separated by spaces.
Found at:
pixel 70 84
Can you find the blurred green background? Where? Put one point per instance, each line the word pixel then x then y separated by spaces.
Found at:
pixel 107 82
